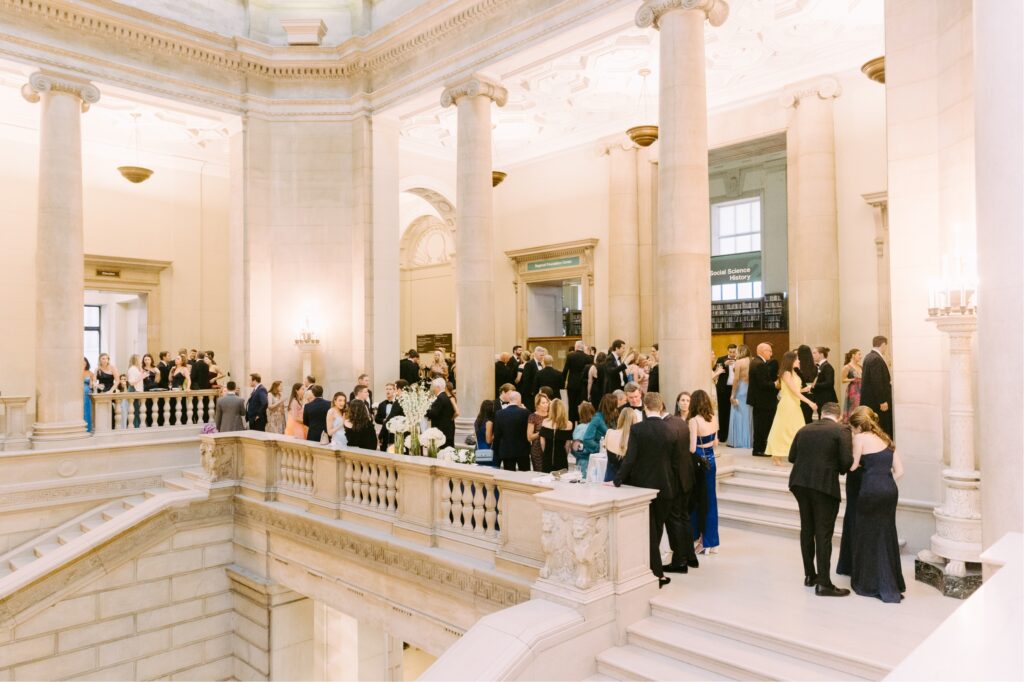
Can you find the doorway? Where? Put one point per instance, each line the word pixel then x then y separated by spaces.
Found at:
pixel 116 323
pixel 554 308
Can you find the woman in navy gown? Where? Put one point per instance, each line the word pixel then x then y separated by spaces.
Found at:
pixel 876 569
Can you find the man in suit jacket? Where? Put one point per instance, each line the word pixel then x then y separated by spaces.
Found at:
pixel 511 448
pixel 441 412
pixel 527 385
pixel 821 451
pixel 502 374
pixel 650 463
pixel 615 367
pixel 549 376
pixel 677 525
pixel 763 395
pixel 574 378
pixel 409 368
pixel 199 377
pixel 824 390
pixel 314 414
pixel 363 381
pixel 723 389
pixel 230 409
pixel 256 409
pixel 165 366
pixel 387 409
pixel 876 385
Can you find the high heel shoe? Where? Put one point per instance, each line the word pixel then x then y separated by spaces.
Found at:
pixel 776 461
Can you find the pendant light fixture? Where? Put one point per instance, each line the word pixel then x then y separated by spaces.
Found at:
pixel 135 174
pixel 643 135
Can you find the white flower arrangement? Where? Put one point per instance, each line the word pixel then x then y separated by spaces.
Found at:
pixel 457 455
pixel 433 436
pixel 398 424
pixel 447 454
pixel 415 401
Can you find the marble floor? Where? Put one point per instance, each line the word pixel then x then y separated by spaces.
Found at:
pixel 757 580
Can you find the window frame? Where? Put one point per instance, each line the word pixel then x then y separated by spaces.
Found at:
pixel 98 329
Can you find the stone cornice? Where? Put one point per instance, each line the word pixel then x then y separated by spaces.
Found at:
pixel 822 88
pixel 474 86
pixel 44 81
pixel 145 31
pixel 650 13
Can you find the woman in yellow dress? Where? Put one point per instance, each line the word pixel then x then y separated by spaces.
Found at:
pixel 788 418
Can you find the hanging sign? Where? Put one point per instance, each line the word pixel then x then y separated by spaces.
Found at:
pixel 736 268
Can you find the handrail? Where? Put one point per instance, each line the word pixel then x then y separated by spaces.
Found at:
pixel 152 410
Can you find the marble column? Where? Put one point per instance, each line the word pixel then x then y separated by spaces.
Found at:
pixel 59 255
pixel 998 81
pixel 683 252
pixel 474 242
pixel 813 222
pixel 623 246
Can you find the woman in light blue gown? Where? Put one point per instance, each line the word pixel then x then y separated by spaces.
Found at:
pixel 739 422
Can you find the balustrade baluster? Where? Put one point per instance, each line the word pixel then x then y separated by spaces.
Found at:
pixel 457 503
pixel 308 462
pixel 117 414
pixel 478 509
pixel 490 510
pixel 467 505
pixel 446 501
pixel 373 484
pixel 284 470
pixel 348 480
pixel 164 406
pixel 364 484
pixel 389 502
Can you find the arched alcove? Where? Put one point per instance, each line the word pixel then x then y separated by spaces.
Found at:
pixel 426 249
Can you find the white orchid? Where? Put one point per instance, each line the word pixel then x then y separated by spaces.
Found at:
pixel 398 424
pixel 447 454
pixel 434 437
pixel 415 401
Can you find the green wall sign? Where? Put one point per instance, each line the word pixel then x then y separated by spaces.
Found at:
pixel 736 268
pixel 553 263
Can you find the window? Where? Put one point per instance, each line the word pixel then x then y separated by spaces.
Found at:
pixel 736 228
pixel 92 334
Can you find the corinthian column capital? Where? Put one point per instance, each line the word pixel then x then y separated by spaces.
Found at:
pixel 823 88
pixel 472 87
pixel 43 81
pixel 650 13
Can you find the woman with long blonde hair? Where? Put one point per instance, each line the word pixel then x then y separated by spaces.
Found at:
pixel 555 438
pixel 876 569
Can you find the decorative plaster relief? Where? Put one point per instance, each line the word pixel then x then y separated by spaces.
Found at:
pixel 650 13
pixel 41 81
pixel 575 549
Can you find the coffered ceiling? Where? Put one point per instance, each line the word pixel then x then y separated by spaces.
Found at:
pixel 585 84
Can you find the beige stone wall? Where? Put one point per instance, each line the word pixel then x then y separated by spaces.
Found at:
pixel 167 613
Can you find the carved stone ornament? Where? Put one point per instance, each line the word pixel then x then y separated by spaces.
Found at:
pixel 474 87
pixel 824 88
pixel 218 460
pixel 40 82
pixel 575 549
pixel 650 13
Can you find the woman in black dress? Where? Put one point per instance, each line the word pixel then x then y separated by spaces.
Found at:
pixel 595 379
pixel 808 372
pixel 359 431
pixel 555 438
pixel 106 374
pixel 876 569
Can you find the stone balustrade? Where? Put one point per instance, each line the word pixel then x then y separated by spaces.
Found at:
pixel 13 422
pixel 152 411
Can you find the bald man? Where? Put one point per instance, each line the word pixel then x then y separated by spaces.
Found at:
pixel 762 395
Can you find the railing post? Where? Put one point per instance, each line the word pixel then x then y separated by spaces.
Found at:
pixel 102 413
pixel 15 432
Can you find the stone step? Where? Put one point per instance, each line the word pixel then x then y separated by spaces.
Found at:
pixel 111 514
pixel 69 535
pixel 769 486
pixel 631 662
pixel 45 548
pixel 762 473
pixel 837 662
pixel 133 501
pixel 19 561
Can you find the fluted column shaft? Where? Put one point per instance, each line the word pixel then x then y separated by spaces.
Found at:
pixel 59 256
pixel 813 224
pixel 683 255
pixel 474 241
pixel 623 246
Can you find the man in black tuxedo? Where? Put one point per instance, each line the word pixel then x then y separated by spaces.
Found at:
pixel 615 367
pixel 650 462
pixel 723 389
pixel 314 414
pixel 386 409
pixel 763 395
pixel 511 448
pixel 441 412
pixel 165 366
pixel 199 377
pixel 821 451
pixel 654 375
pixel 256 408
pixel 677 525
pixel 363 381
pixel 513 364
pixel 574 378
pixel 502 374
pixel 549 376
pixel 409 367
pixel 527 385
pixel 824 389
pixel 876 385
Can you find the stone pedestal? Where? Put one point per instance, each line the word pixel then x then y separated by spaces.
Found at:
pixel 683 256
pixel 953 562
pixel 813 223
pixel 474 243
pixel 59 256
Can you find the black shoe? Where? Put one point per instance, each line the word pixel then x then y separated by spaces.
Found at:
pixel 675 568
pixel 758 454
pixel 830 591
pixel 693 563
pixel 662 581
pixel 809 580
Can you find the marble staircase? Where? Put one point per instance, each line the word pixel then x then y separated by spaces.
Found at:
pixel 682 642
pixel 72 539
